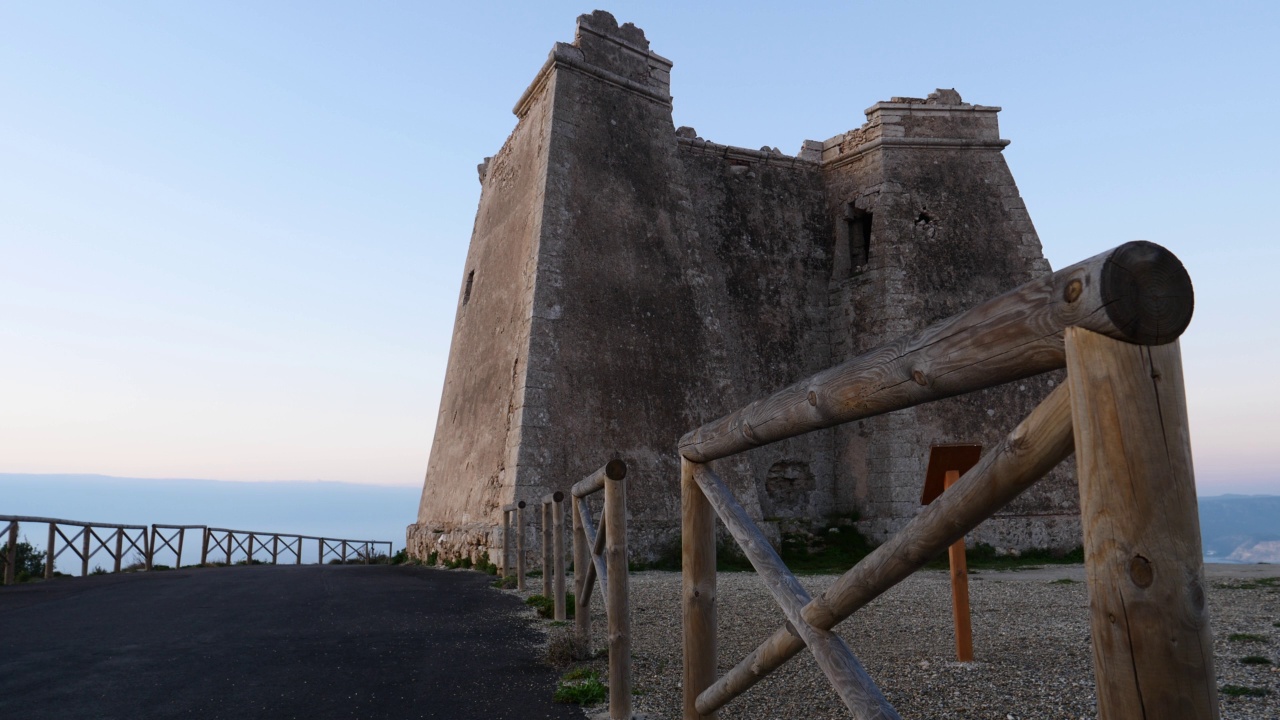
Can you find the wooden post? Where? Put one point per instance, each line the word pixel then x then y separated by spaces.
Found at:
pixel 698 591
pixel 119 547
pixel 344 552
pixel 1152 649
pixel 177 562
pixel 520 546
pixel 557 532
pixel 615 515
pixel 204 547
pixel 11 555
pixel 275 549
pixel 546 549
pixel 581 559
pixel 297 551
pixel 84 558
pixel 151 548
pixel 249 555
pixel 320 551
pixel 48 558
pixel 227 536
pixel 506 541
pixel 959 589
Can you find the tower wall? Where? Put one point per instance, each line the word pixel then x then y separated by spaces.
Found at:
pixel 628 282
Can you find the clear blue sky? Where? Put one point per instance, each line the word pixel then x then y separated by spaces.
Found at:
pixel 232 234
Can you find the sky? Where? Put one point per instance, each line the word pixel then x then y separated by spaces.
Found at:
pixel 232 234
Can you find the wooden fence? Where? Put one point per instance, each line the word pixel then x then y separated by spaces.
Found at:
pixel 553 551
pixel 1112 322
pixel 517 509
pixel 602 553
pixel 118 540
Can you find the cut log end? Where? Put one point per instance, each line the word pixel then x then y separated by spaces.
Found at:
pixel 1147 293
pixel 615 469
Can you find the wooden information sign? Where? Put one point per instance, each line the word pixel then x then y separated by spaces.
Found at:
pixel 946 464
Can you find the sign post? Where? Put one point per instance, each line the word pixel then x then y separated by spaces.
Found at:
pixel 946 464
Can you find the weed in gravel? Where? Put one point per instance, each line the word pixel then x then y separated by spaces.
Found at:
pixel 1250 584
pixel 546 606
pixel 509 582
pixel 1064 581
pixel 1255 660
pixel 581 686
pixel 1244 691
pixel 1246 637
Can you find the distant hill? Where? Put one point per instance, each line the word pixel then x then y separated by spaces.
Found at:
pixel 1240 528
pixel 331 509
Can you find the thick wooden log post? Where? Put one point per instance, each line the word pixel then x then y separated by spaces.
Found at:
pixel 1138 292
pixel 151 547
pixel 506 540
pixel 275 549
pixel 11 555
pixel 48 558
pixel 344 552
pixel 615 521
pixel 119 547
pixel 547 592
pixel 320 552
pixel 297 552
pixel 959 588
pixel 520 546
pixel 204 547
pixel 698 589
pixel 177 562
pixel 227 536
pixel 581 559
pixel 1152 649
pixel 87 531
pixel 1040 442
pixel 249 555
pixel 557 565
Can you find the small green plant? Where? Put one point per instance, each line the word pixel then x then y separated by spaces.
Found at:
pixel 98 570
pixel 485 566
pixel 1243 691
pixel 1246 637
pixel 433 558
pixel 401 557
pixel 28 564
pixel 581 686
pixel 1064 581
pixel 506 583
pixel 533 573
pixel 1255 660
pixel 546 606
pixel 834 550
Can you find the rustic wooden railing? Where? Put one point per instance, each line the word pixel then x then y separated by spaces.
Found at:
pixel 553 551
pixel 517 509
pixel 602 553
pixel 90 539
pixel 117 540
pixel 1112 322
pixel 228 541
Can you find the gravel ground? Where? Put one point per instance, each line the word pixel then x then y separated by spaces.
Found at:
pixel 1031 640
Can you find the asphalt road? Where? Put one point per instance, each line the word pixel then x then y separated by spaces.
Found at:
pixel 271 642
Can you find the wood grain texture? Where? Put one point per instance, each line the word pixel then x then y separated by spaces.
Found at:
pixel 616 599
pixel 557 550
pixel 547 591
pixel 698 590
pixel 1035 446
pixel 506 540
pixel 599 567
pixel 959 569
pixel 1152 649
pixel 49 553
pixel 850 680
pixel 582 596
pixel 520 546
pixel 1013 336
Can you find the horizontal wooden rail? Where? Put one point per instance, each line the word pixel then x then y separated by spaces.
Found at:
pixel 1035 446
pixel 615 469
pixel 1138 292
pixel 77 523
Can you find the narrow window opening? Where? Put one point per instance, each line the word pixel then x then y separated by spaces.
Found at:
pixel 466 294
pixel 858 224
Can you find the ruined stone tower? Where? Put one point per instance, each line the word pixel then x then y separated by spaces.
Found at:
pixel 628 281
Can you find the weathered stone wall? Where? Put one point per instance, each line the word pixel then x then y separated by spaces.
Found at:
pixel 633 281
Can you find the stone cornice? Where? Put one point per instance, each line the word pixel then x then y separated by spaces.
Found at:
pixel 568 56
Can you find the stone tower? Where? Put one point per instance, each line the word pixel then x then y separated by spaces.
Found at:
pixel 628 281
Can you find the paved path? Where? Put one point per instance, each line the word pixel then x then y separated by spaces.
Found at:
pixel 305 642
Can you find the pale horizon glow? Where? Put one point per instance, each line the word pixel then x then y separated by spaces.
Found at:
pixel 232 235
